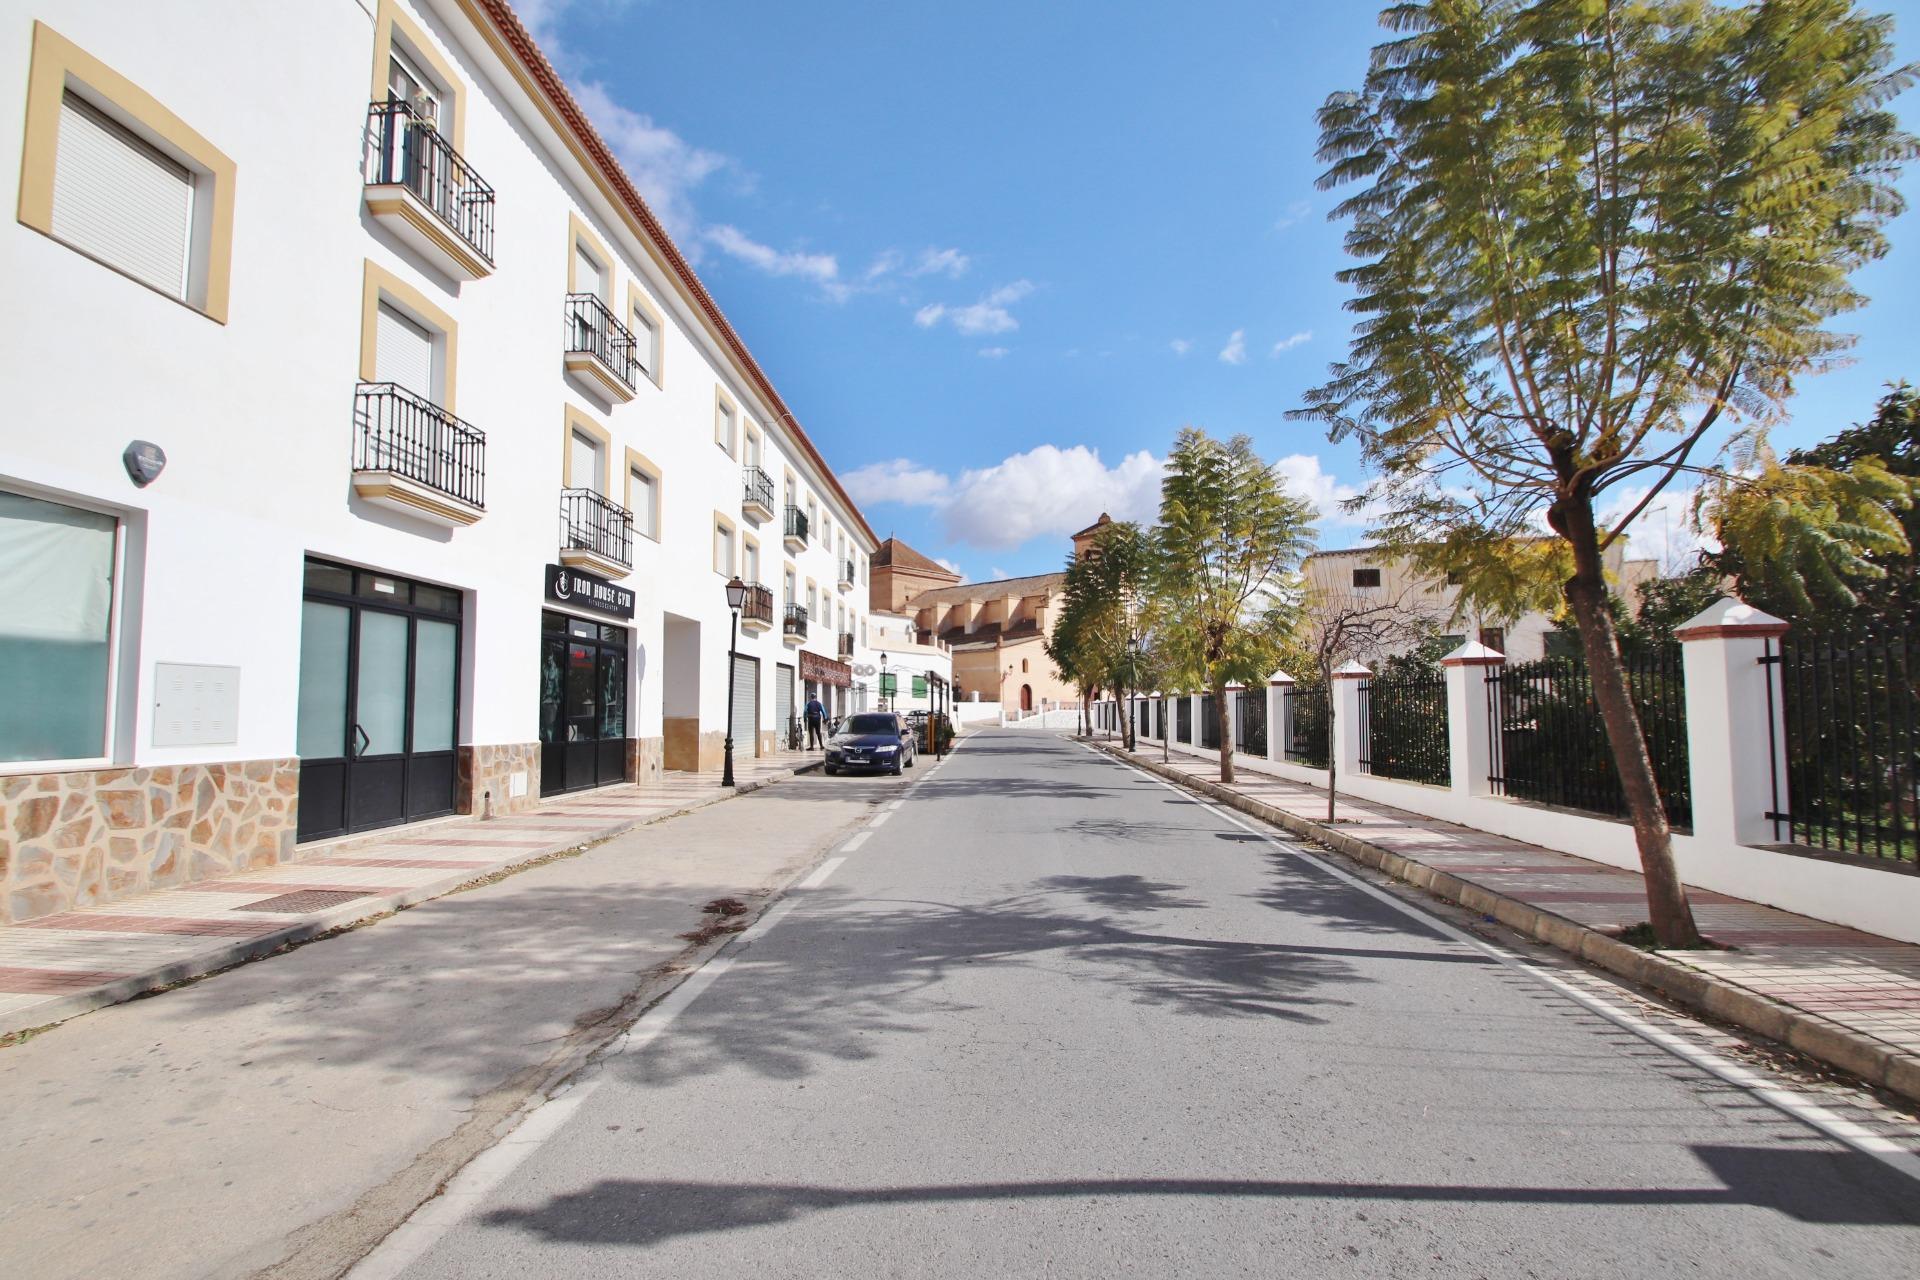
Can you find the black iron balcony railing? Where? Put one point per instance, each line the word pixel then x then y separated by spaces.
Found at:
pixel 846 572
pixel 590 522
pixel 846 644
pixel 795 623
pixel 403 149
pixel 398 431
pixel 591 328
pixel 756 486
pixel 796 523
pixel 758 606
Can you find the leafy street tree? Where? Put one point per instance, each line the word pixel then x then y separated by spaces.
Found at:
pixel 1230 538
pixel 1103 614
pixel 1592 238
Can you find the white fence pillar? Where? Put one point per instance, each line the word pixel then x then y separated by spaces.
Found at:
pixel 1193 719
pixel 1235 693
pixel 1469 735
pixel 1347 680
pixel 1735 766
pixel 1279 715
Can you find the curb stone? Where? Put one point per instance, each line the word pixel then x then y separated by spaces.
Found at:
pixel 226 955
pixel 1819 1038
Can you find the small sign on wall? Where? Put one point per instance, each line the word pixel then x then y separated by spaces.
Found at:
pixel 195 706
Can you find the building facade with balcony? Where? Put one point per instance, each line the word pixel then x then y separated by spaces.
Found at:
pixel 341 530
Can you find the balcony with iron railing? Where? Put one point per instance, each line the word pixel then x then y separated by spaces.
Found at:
pixel 796 529
pixel 793 625
pixel 846 575
pixel 599 349
pixel 596 533
pixel 412 456
pixel 422 190
pixel 756 611
pixel 846 644
pixel 756 494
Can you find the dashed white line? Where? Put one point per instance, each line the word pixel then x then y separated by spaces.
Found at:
pixel 857 839
pixel 821 872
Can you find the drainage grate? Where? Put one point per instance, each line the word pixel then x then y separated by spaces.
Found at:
pixel 306 900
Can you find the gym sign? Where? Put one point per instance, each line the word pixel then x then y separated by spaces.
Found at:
pixel 583 590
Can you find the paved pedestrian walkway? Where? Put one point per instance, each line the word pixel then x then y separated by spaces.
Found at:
pixel 60 965
pixel 1867 984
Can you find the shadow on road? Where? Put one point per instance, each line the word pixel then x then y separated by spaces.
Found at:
pixel 1829 1188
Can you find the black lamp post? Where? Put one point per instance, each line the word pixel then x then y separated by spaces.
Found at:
pixel 886 700
pixel 1127 738
pixel 736 596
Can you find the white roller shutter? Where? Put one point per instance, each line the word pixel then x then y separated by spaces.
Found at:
pixel 586 275
pixel 121 200
pixel 403 353
pixel 746 706
pixel 782 698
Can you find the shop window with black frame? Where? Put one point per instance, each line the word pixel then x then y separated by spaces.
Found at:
pixel 56 630
pixel 583 703
pixel 379 706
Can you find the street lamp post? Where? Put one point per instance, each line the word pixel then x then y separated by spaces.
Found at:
pixel 886 699
pixel 736 596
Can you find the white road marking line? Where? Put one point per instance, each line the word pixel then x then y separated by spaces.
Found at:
pixel 1794 1104
pixel 879 819
pixel 821 872
pixel 857 839
pixel 465 1192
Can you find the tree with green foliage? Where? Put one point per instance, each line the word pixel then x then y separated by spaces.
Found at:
pixel 1593 238
pixel 1229 541
pixel 1102 615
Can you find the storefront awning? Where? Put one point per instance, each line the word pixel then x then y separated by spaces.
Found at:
pixel 814 666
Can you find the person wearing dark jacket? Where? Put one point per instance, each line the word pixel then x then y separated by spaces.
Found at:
pixel 816 720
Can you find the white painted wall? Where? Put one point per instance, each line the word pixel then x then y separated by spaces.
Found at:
pixel 256 414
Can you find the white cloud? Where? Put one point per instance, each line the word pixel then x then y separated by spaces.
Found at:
pixel 665 167
pixel 996 573
pixel 1235 352
pixel 988 316
pixel 951 567
pixel 884 264
pixel 1664 532
pixel 1306 478
pixel 1293 213
pixel 950 263
pixel 821 268
pixel 1181 346
pixel 898 480
pixel 993 353
pixel 1291 341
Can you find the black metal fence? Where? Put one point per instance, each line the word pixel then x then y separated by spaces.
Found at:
pixel 795 621
pixel 1851 711
pixel 1550 746
pixel 1310 714
pixel 1183 720
pixel 796 525
pixel 1251 735
pixel 590 522
pixel 1209 723
pixel 758 605
pixel 1403 727
pixel 409 435
pixel 403 149
pixel 756 486
pixel 589 327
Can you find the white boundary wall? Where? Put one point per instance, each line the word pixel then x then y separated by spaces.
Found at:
pixel 1731 783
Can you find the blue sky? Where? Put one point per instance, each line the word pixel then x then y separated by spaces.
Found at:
pixel 995 255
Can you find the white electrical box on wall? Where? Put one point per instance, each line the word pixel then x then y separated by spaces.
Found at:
pixel 195 706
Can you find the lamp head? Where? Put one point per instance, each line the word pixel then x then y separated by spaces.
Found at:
pixel 736 593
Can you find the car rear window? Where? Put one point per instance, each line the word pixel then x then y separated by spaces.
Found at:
pixel 872 724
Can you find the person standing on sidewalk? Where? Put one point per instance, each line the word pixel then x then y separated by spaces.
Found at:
pixel 816 717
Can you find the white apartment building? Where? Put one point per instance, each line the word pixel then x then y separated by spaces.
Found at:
pixel 459 453
pixel 921 670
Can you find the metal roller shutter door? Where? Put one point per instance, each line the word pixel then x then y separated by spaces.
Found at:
pixel 403 352
pixel 746 706
pixel 782 697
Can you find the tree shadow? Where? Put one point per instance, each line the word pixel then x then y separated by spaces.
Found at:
pixel 1123 893
pixel 1299 886
pixel 1826 1188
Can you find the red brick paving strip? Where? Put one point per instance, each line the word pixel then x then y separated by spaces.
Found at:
pixel 255 888
pixel 222 928
pixel 452 864
pixel 47 982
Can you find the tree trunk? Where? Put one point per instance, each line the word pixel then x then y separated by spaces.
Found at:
pixel 1667 908
pixel 1226 732
pixel 1126 730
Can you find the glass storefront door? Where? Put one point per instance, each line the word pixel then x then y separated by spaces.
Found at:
pixel 583 704
pixel 379 700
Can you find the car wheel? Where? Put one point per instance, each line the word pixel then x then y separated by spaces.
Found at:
pixel 910 761
pixel 829 770
pixel 895 771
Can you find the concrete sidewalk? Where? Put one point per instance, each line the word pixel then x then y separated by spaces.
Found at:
pixel 1847 998
pixel 61 965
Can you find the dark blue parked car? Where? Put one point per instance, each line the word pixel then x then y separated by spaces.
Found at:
pixel 870 740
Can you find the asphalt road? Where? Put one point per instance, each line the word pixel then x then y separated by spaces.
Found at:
pixel 1054 1018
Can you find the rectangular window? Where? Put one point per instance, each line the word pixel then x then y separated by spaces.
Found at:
pixel 56 575
pixel 749 562
pixel 786 588
pixel 643 496
pixel 403 353
pixel 1366 577
pixel 120 200
pixel 646 337
pixel 753 447
pixel 588 470
pixel 588 275
pixel 813 601
pixel 723 550
pixel 723 425
pixel 1494 638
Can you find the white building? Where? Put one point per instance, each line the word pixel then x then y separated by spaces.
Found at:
pixel 921 668
pixel 459 452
